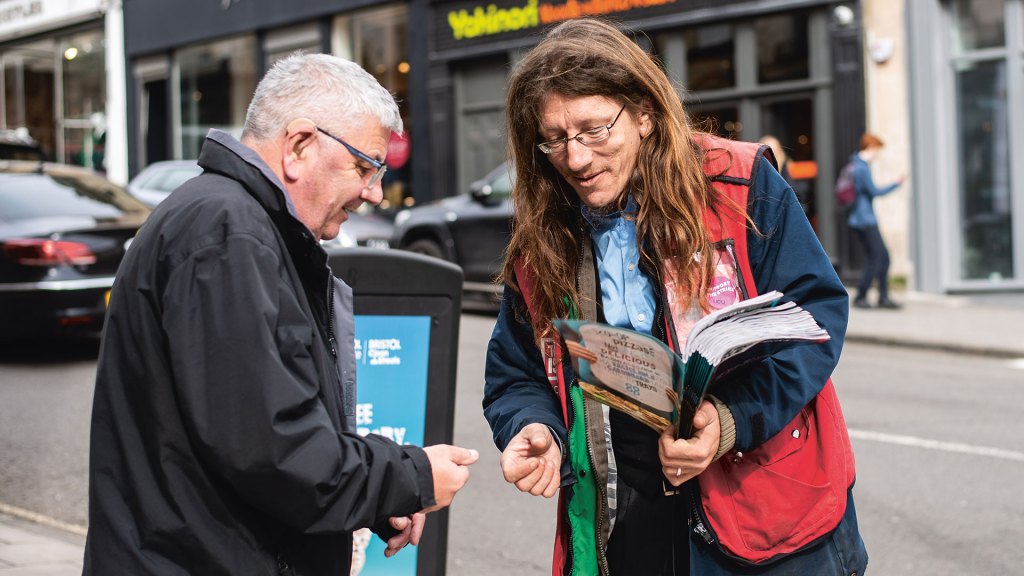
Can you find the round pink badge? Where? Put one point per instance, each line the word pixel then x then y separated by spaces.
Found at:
pixel 722 292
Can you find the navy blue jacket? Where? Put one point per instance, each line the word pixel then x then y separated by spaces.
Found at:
pixel 784 255
pixel 862 214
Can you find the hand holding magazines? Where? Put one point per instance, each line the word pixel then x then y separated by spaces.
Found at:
pixel 641 376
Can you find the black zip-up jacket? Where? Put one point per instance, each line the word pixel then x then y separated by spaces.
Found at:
pixel 219 439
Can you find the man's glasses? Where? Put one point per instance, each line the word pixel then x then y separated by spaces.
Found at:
pixel 586 137
pixel 377 165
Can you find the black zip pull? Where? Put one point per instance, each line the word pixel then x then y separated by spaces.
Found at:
pixel 330 316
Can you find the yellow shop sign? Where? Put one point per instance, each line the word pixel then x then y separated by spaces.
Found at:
pixel 492 20
pixel 476 21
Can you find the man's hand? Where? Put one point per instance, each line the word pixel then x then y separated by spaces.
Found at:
pixel 411 529
pixel 450 465
pixel 684 459
pixel 532 461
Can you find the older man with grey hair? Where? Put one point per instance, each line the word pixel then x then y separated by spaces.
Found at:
pixel 223 434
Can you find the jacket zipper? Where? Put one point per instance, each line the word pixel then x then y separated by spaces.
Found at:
pixel 330 317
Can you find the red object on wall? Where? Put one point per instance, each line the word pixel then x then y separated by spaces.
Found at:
pixel 398 150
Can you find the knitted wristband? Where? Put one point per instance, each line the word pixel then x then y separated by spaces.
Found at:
pixel 728 426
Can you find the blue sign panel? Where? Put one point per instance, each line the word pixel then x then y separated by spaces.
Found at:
pixel 392 354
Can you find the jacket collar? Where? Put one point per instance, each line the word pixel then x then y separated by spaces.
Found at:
pixel 223 154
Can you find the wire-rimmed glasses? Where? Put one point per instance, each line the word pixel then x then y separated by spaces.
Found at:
pixel 377 165
pixel 587 137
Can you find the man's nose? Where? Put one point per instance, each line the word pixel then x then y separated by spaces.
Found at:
pixel 577 156
pixel 373 194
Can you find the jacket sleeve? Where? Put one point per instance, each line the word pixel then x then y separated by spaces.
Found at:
pixel 516 388
pixel 251 398
pixel 785 255
pixel 865 183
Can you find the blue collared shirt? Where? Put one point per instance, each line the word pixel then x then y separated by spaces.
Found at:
pixel 627 295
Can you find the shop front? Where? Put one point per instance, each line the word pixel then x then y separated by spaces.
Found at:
pixel 967 122
pixel 194 64
pixel 53 61
pixel 745 69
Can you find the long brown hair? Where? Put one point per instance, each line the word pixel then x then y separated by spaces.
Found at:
pixel 589 57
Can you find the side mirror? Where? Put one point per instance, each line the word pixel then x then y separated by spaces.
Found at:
pixel 482 192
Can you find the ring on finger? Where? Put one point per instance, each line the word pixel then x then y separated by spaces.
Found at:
pixel 679 471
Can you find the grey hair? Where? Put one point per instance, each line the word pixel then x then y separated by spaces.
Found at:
pixel 320 87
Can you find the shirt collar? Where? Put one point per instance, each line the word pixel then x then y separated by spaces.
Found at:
pixel 601 221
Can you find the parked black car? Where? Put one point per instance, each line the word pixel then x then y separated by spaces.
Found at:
pixel 63 233
pixel 470 229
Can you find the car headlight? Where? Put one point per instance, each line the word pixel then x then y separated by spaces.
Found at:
pixel 401 217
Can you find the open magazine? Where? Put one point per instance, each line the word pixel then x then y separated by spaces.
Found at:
pixel 641 376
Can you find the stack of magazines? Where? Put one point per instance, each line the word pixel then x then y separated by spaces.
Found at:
pixel 641 376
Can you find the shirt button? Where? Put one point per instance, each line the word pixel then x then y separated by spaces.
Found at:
pixel 640 317
pixel 631 267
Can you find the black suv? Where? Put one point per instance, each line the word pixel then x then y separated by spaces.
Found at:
pixel 469 229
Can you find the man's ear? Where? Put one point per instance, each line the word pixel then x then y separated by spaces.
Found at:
pixel 645 125
pixel 297 150
pixel 643 120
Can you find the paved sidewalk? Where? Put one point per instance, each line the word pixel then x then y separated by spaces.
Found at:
pixel 31 549
pixel 990 324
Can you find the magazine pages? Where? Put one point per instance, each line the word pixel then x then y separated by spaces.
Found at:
pixel 641 376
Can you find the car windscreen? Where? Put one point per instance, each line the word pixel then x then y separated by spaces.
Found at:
pixel 27 196
pixel 171 179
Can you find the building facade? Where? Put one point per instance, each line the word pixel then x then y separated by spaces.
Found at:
pixel 966 110
pixel 193 65
pixel 792 69
pixel 941 81
pixel 54 61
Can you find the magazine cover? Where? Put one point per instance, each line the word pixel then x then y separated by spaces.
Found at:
pixel 629 371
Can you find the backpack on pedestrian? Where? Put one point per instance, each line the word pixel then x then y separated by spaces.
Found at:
pixel 846 191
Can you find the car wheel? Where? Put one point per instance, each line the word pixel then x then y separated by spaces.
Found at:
pixel 426 247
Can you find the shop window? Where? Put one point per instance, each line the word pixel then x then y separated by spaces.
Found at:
pixel 710 55
pixel 281 43
pixel 791 122
pixel 29 91
pixel 782 47
pixel 979 24
pixel 376 40
pixel 217 81
pixel 985 199
pixel 82 58
pixel 723 121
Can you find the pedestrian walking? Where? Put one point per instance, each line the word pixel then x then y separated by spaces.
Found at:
pixel 864 223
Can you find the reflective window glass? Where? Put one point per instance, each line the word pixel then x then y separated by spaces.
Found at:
pixel 710 54
pixel 782 47
pixel 217 82
pixel 31 196
pixel 379 46
pixel 985 199
pixel 722 121
pixel 979 24
pixel 791 122
pixel 29 90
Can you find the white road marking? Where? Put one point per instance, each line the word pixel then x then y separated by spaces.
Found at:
pixel 929 444
pixel 41 519
pixel 1017 363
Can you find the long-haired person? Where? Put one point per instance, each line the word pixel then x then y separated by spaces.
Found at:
pixel 625 215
